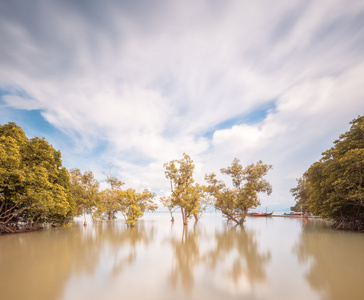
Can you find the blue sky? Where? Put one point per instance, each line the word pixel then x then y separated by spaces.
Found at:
pixel 137 83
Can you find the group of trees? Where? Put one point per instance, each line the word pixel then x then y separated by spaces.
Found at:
pixel 192 198
pixel 35 189
pixel 333 187
pixel 104 205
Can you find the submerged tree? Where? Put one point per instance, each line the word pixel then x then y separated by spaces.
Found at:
pixel 85 191
pixel 133 205
pixel 34 187
pixel 198 199
pixel 110 200
pixel 169 204
pixel 185 193
pixel 129 203
pixel 247 183
pixel 334 186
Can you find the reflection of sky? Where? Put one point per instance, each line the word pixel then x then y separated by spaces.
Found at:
pixel 278 256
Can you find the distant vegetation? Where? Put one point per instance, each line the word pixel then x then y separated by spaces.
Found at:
pixel 333 187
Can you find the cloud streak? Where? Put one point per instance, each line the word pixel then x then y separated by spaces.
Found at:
pixel 150 79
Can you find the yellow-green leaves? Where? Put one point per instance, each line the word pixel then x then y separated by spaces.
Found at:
pixel 134 205
pixel 186 195
pixel 129 203
pixel 85 191
pixel 247 183
pixel 34 187
pixel 334 186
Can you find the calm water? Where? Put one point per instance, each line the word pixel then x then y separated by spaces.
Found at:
pixel 270 258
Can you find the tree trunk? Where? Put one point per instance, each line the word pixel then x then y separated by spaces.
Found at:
pixel 184 217
pixel 196 218
pixel 237 221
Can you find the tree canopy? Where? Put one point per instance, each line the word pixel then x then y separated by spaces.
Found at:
pixel 129 202
pixel 186 194
pixel 85 191
pixel 246 184
pixel 34 186
pixel 110 198
pixel 134 204
pixel 333 187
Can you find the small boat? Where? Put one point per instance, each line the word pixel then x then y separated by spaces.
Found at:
pixel 299 215
pixel 293 214
pixel 260 214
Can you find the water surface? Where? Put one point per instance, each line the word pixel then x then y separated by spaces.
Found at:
pixel 268 258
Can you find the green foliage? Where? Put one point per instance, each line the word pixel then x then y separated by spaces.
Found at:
pixel 247 183
pixel 85 191
pixel 334 187
pixel 197 200
pixel 129 203
pixel 34 187
pixel 110 200
pixel 133 205
pixel 301 194
pixel 168 203
pixel 186 195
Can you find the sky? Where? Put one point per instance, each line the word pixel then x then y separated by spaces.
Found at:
pixel 135 84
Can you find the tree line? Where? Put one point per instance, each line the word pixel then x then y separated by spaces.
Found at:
pixel 333 187
pixel 36 190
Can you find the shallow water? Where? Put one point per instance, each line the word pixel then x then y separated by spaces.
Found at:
pixel 270 258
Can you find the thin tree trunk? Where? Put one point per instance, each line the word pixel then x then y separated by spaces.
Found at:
pixel 196 218
pixel 184 217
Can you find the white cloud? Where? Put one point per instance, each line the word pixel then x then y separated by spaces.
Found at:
pixel 307 119
pixel 19 102
pixel 148 81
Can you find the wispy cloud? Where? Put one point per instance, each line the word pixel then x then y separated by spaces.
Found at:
pixel 148 80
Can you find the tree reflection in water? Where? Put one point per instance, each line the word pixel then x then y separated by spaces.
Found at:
pixel 234 254
pixel 331 273
pixel 120 243
pixel 186 257
pixel 44 262
pixel 239 245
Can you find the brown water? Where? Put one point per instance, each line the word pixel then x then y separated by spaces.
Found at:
pixel 270 258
